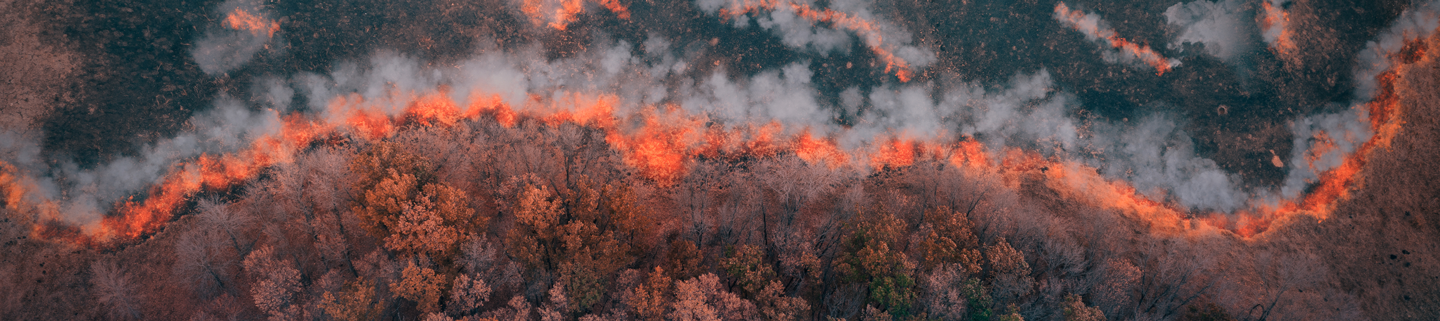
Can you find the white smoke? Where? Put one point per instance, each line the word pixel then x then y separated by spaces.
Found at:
pixel 84 194
pixel 1218 25
pixel 1158 159
pixel 784 95
pixel 802 34
pixel 1027 111
pixel 1347 129
pixel 1098 30
pixel 1414 23
pixel 1271 33
pixel 224 48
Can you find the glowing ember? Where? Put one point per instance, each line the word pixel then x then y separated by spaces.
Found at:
pixel 1090 26
pixel 864 28
pixel 661 141
pixel 244 20
pixel 815 150
pixel 1275 22
pixel 561 13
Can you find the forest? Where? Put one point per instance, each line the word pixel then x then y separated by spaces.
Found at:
pixel 482 221
pixel 719 160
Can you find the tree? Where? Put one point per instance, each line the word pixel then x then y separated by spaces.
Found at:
pixel 275 284
pixel 1012 313
pixel 1177 275
pixel 355 302
pixel 702 298
pixel 558 306
pixel 467 295
pixel 745 264
pixel 649 299
pixel 1009 273
pixel 683 259
pixel 1075 310
pixel 221 217
pixel 196 263
pixel 435 223
pixel 1114 284
pixel 374 164
pixel 774 305
pixel 948 237
pixel 697 194
pixel 432 220
pixel 114 289
pixel 944 294
pixel 868 259
pixel 573 235
pixel 421 285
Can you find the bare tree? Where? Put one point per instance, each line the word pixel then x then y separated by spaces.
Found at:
pixel 1178 274
pixel 217 215
pixel 276 283
pixel 196 264
pixel 114 289
pixel 697 193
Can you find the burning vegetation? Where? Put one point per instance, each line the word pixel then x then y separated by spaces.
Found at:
pixel 410 194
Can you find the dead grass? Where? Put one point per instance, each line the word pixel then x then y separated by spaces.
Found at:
pixel 1383 246
pixel 33 73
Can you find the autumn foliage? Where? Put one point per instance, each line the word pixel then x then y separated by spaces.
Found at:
pixel 546 221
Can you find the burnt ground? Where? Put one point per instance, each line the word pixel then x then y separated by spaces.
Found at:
pixel 96 79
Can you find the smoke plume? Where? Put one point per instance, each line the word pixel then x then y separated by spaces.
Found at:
pixel 1219 25
pixel 242 34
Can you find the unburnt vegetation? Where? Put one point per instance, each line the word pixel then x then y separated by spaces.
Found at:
pixel 486 222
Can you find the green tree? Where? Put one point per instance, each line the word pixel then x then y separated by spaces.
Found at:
pixel 948 237
pixel 869 259
pixel 745 264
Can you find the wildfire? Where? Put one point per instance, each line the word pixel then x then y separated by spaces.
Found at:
pixel 562 12
pixel 1275 22
pixel 244 20
pixel 660 142
pixel 1090 26
pixel 818 150
pixel 862 27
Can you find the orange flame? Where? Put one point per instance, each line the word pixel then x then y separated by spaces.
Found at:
pixel 1077 20
pixel 665 139
pixel 567 11
pixel 895 153
pixel 866 29
pixel 816 150
pixel 243 20
pixel 1323 145
pixel 1276 18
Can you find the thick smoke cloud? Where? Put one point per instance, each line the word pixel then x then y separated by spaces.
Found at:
pixel 1326 138
pixel 1413 23
pixel 1158 158
pixel 82 194
pixel 1027 111
pixel 243 32
pixel 1220 25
